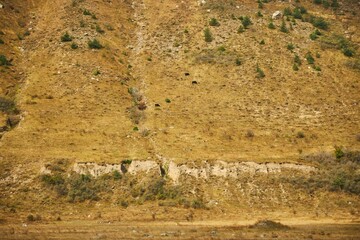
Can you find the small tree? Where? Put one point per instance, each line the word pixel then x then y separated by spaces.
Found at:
pixel 208 36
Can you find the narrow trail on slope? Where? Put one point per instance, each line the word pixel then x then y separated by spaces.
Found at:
pixel 136 60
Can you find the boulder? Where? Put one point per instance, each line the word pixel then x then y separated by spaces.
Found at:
pixel 276 15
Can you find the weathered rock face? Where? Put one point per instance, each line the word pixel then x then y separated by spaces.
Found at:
pixel 206 170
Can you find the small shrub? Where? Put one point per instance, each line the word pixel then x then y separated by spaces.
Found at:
pixel 260 4
pixel 259 14
pixel 214 22
pixel 348 52
pixel 318 2
pixel 246 22
pixel 297 60
pixel 309 58
pixel 7 105
pixel 74 46
pixel 300 134
pixel 249 134
pixel 238 62
pixel 99 29
pixel 1 41
pixel 117 175
pixel 262 42
pixel 94 44
pixel 319 22
pixel 313 36
pixel 4 61
pixel 283 27
pixel 339 153
pixel 221 49
pixel 86 12
pixel 66 37
pixel 287 11
pixel 208 36
pixel 295 67
pixel 241 29
pixel 167 100
pixel 271 25
pixel 260 72
pixel 290 47
pixel 297 13
pixel 82 23
pixel 96 72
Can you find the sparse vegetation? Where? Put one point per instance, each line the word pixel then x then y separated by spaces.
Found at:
pixel 283 27
pixel 260 72
pixel 290 47
pixel 271 25
pixel 4 61
pixel 1 41
pixel 246 22
pixel 94 44
pixel 99 29
pixel 309 58
pixel 208 36
pixel 214 22
pixel 66 37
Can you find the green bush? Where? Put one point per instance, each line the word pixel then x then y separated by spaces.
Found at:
pixel 271 25
pixel 246 22
pixel 1 41
pixel 297 59
pixel 295 67
pixel 310 59
pixel 283 27
pixel 260 72
pixel 7 105
pixel 99 29
pixel 4 61
pixel 74 46
pixel 287 11
pixel 238 62
pixel 290 47
pixel 94 44
pixel 208 36
pixel 297 13
pixel 339 153
pixel 319 22
pixel 66 37
pixel 86 12
pixel 214 22
pixel 348 52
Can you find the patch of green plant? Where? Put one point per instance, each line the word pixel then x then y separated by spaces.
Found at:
pixel 262 42
pixel 295 67
pixel 167 100
pixel 66 37
pixel 246 21
pixel 259 14
pixel 86 12
pixel 4 61
pixel 319 22
pixel 95 44
pixel 260 72
pixel 74 46
pixel 7 105
pixel 287 11
pixel 208 35
pixel 297 60
pixel 283 27
pixel 214 22
pixel 271 25
pixel 221 49
pixel 241 29
pixel 290 47
pixel 1 41
pixel 99 29
pixel 309 58
pixel 238 62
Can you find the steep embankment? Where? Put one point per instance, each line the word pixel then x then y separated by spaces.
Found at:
pixel 172 119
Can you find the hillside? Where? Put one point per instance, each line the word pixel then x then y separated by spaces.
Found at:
pixel 165 109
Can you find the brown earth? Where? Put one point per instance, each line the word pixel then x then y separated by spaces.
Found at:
pixel 157 91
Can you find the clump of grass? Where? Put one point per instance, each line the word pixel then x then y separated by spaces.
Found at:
pixel 95 44
pixel 238 62
pixel 250 134
pixel 300 134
